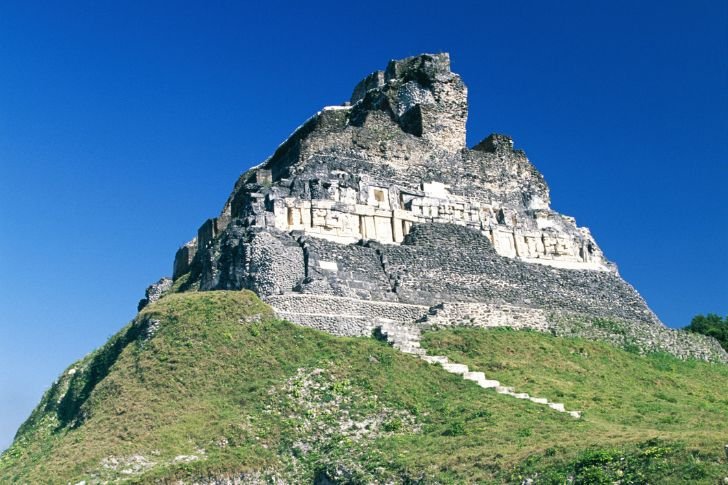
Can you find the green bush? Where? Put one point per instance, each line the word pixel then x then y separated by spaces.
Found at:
pixel 456 428
pixel 711 325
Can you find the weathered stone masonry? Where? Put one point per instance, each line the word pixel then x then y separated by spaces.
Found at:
pixel 376 211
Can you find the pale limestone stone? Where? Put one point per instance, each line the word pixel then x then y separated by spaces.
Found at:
pixel 455 368
pixel 328 265
pixel 435 189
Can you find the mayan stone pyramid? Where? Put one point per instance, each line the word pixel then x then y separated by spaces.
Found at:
pixel 375 211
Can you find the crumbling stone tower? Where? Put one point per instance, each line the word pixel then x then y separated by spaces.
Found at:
pixel 422 96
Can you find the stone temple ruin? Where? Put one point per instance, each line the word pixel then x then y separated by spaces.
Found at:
pixel 376 214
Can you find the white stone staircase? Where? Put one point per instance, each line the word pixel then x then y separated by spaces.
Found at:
pixel 407 339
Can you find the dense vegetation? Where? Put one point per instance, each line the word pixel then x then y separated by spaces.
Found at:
pixel 711 325
pixel 210 384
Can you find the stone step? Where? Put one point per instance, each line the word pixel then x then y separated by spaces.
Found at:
pixel 403 338
pixel 414 342
pixel 488 384
pixel 400 329
pixel 406 342
pixel 455 368
pixel 474 376
pixel 435 359
pixel 397 337
pixel 410 350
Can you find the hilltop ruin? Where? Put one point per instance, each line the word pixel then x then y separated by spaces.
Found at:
pixel 375 211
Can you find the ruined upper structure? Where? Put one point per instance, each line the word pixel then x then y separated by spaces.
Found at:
pixel 395 156
pixel 376 209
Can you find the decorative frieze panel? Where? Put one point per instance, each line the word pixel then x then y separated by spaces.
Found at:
pixel 385 214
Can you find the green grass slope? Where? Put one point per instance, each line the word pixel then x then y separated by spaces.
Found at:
pixel 210 386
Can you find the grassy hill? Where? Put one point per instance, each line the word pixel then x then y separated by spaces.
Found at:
pixel 204 386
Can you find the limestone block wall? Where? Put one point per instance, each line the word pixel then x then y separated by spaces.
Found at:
pixel 487 315
pixel 386 215
pixel 353 317
pixel 341 315
pixel 346 224
pixel 248 258
pixel 352 270
pixel 340 325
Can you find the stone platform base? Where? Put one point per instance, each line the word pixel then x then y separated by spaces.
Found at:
pixel 353 317
pixel 341 315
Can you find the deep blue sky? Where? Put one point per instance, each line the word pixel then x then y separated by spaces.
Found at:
pixel 123 125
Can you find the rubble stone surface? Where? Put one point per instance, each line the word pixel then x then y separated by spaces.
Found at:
pixel 154 292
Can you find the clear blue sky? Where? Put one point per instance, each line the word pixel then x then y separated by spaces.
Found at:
pixel 123 126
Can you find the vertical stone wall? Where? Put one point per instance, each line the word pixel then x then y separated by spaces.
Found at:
pixel 243 258
pixel 487 315
pixel 351 270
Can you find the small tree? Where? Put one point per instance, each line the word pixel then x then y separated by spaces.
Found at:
pixel 711 325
